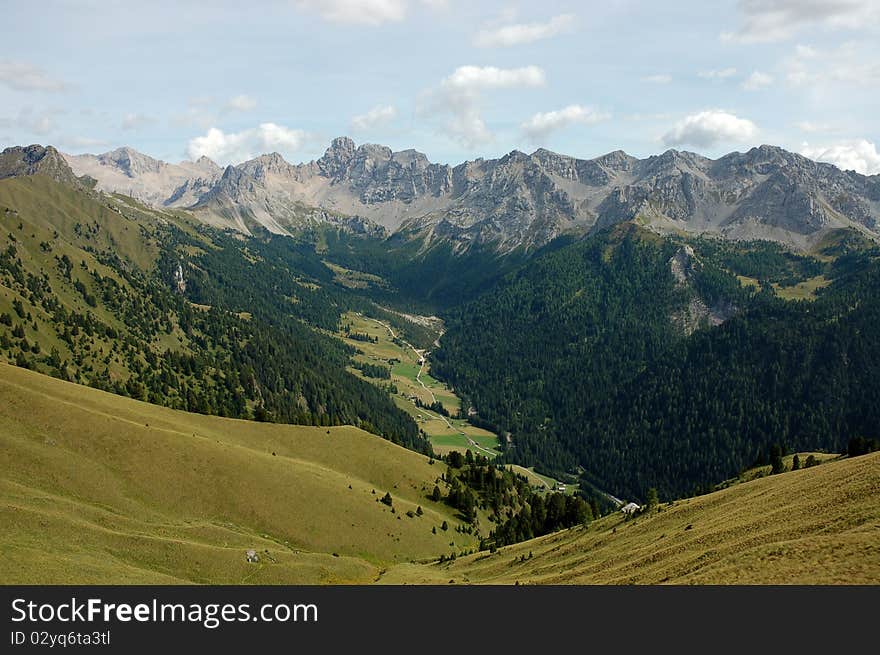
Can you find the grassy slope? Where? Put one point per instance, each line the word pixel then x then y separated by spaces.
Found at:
pixel 99 488
pixel 41 210
pixel 124 228
pixel 814 526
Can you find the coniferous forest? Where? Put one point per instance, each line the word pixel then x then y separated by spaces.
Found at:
pixel 580 359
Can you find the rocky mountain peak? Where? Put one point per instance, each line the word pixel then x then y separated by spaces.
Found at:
pixel 35 160
pixel 131 162
pixel 207 164
pixel 617 160
pixel 373 151
pixel 337 157
pixel 517 156
pixel 411 158
pixel 272 163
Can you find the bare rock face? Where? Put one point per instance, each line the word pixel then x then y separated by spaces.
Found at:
pixel 152 181
pixel 519 201
pixel 252 196
pixel 683 265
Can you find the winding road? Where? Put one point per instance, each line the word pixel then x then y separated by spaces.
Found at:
pixel 423 360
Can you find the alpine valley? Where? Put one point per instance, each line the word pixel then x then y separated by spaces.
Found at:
pixel 374 368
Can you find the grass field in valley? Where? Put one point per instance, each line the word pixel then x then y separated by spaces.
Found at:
pixel 100 488
pixel 445 434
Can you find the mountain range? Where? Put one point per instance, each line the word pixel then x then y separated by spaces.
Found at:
pixel 518 201
pixel 617 363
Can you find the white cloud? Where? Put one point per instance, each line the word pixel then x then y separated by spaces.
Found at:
pixel 520 33
pixel 475 78
pixel 859 155
pixel 707 128
pixel 233 148
pixel 240 103
pixel 777 20
pixel 379 115
pixel 134 121
pixel 542 124
pixel 661 78
pixel 365 12
pixel 469 128
pixel 722 74
pixel 461 94
pixel 757 81
pixel 22 76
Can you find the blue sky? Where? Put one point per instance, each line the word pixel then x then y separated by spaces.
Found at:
pixel 455 79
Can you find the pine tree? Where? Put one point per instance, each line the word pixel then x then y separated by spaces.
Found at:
pixel 776 463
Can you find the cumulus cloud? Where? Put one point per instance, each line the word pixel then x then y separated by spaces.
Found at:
pixel 859 155
pixel 757 81
pixel 235 147
pixel 521 33
pixel 379 115
pixel 365 12
pixel 134 121
pixel 240 103
pixel 22 76
pixel 707 128
pixel 660 78
pixel 777 20
pixel 721 74
pixel 542 124
pixel 460 96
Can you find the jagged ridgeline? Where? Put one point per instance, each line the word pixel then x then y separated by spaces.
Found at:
pixel 642 361
pixel 513 203
pixel 146 303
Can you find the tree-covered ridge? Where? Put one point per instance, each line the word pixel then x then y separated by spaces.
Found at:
pixel 558 333
pixel 575 356
pixel 516 511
